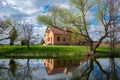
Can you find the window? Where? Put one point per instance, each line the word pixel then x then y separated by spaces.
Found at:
pixel 64 39
pixel 58 38
pixel 48 31
pixel 58 62
pixel 48 38
pixel 64 62
pixel 51 38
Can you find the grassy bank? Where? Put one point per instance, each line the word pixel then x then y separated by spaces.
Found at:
pixel 107 50
pixel 42 49
pixel 51 50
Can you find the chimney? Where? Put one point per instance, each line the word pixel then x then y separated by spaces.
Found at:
pixel 65 28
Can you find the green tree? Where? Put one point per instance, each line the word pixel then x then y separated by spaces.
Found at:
pixel 42 42
pixel 13 36
pixel 14 32
pixel 78 18
pixel 51 18
pixel 76 38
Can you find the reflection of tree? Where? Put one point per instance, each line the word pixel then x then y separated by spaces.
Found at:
pixel 100 67
pixel 12 69
pixel 114 69
pixel 88 70
pixel 13 66
pixel 26 73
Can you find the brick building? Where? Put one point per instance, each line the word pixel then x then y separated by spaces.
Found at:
pixel 58 36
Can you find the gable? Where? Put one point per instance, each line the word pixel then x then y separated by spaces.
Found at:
pixel 56 30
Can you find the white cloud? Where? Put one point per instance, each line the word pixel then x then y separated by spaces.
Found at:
pixel 96 28
pixel 96 31
pixel 90 15
pixel 39 31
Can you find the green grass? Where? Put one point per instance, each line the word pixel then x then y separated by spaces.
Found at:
pixel 61 50
pixel 107 50
pixel 43 49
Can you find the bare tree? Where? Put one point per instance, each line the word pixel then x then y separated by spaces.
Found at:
pixel 5 25
pixel 106 10
pixel 26 34
pixel 114 26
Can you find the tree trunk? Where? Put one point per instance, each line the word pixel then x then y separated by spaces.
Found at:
pixel 28 44
pixel 11 42
pixel 92 49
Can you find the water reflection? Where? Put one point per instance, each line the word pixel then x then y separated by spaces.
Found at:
pixel 99 69
pixel 54 66
pixel 57 69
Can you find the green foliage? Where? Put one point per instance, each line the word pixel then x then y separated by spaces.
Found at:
pixel 76 38
pixel 13 36
pixel 42 42
pixel 51 17
pixel 43 19
pixel 83 5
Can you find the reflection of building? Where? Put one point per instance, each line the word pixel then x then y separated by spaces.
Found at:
pixel 54 66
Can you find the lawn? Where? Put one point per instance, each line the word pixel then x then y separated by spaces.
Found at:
pixel 43 49
pixel 51 50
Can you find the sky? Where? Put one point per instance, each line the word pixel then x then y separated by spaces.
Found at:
pixel 28 10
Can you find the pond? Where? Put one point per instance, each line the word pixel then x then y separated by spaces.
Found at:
pixel 60 69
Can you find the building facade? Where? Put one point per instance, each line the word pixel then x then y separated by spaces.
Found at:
pixel 57 36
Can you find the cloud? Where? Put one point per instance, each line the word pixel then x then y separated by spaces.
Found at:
pixel 39 30
pixel 19 16
pixel 38 33
pixel 27 10
pixel 27 7
pixel 96 31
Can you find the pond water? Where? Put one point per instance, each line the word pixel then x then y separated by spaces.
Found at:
pixel 60 69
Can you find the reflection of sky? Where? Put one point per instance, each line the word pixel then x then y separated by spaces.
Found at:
pixel 39 71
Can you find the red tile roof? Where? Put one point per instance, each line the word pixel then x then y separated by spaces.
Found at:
pixel 56 30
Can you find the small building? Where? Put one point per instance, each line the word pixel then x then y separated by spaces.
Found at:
pixel 59 36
